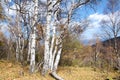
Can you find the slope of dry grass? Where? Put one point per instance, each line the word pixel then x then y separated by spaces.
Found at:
pixel 84 73
pixel 10 71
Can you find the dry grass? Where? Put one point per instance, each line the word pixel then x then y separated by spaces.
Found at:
pixel 84 73
pixel 10 71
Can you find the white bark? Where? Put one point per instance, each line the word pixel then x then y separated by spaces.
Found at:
pixel 54 74
pixel 19 45
pixel 49 55
pixel 54 23
pixel 15 29
pixel 16 41
pixel 29 48
pixel 47 39
pixel 21 49
pixel 33 38
pixel 56 58
pixel 58 55
pixel 20 37
pixel 32 59
pixel 51 48
pixel 17 35
pixel 17 51
pixel 46 50
pixel 54 53
pixel 9 49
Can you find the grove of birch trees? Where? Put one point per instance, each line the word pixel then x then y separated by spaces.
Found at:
pixel 54 18
pixel 43 26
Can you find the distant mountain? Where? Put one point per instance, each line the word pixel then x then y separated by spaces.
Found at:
pixel 108 43
pixel 111 42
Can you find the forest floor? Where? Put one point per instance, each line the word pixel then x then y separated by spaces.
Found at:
pixel 14 71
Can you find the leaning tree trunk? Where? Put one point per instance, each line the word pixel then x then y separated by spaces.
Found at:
pixel 56 58
pixel 54 54
pixel 51 48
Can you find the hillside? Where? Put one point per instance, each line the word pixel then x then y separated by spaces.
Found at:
pixel 10 71
pixel 111 41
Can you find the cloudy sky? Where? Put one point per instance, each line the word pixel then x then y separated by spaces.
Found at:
pixel 94 14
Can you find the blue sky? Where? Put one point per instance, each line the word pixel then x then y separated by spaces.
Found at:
pixel 94 14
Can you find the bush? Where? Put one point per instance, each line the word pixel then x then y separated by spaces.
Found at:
pixel 66 62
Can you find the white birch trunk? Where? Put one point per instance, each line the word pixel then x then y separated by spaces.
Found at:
pixel 58 58
pixel 58 55
pixel 56 61
pixel 29 48
pixel 54 74
pixel 47 39
pixel 9 49
pixel 17 51
pixel 21 49
pixel 49 55
pixel 33 38
pixel 53 26
pixel 51 48
pixel 17 46
pixel 32 54
pixel 54 53
pixel 46 50
pixel 17 37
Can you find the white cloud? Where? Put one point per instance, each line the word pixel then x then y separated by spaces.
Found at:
pixel 96 18
pixel 95 24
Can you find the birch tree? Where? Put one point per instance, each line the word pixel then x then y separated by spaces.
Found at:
pixel 33 38
pixel 25 24
pixel 29 13
pixel 15 29
pixel 111 25
pixel 53 46
pixel 55 30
